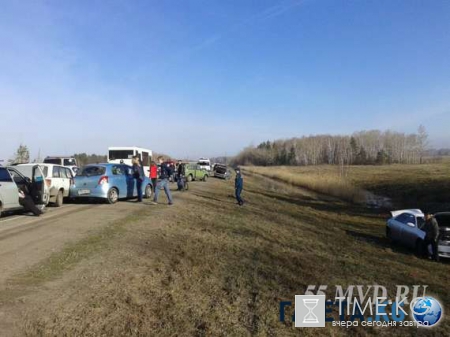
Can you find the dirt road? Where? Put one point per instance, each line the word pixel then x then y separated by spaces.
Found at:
pixel 26 240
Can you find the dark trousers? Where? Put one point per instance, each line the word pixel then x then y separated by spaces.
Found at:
pixel 434 248
pixel 29 206
pixel 139 189
pixel 238 195
pixel 154 181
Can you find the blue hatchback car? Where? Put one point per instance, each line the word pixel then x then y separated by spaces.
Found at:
pixel 110 182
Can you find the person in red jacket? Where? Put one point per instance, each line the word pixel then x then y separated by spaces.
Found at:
pixel 153 174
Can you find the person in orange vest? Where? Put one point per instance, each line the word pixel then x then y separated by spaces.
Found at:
pixel 153 175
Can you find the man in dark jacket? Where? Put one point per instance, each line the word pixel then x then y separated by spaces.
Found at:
pixel 27 201
pixel 431 229
pixel 166 172
pixel 239 186
pixel 138 174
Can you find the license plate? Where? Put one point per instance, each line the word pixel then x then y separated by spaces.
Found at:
pixel 83 192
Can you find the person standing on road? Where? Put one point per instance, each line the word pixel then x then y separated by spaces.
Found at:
pixel 138 175
pixel 431 229
pixel 166 172
pixel 239 186
pixel 153 175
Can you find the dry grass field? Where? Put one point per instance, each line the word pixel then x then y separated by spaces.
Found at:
pixel 207 267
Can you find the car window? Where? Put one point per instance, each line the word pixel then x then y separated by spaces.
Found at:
pixel 420 222
pixel 18 179
pixel 402 218
pixel 117 170
pixel 4 175
pixel 63 172
pixel 68 173
pixel 410 219
pixel 69 162
pixel 56 172
pixel 56 161
pixel 45 170
pixel 89 171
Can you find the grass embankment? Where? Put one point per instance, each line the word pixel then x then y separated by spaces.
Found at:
pixel 206 267
pixel 320 180
pixel 408 186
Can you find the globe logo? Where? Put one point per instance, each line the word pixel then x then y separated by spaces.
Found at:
pixel 427 311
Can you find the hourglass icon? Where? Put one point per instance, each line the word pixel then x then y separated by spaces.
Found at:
pixel 310 304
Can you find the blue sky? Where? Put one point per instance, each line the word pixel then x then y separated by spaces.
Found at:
pixel 209 77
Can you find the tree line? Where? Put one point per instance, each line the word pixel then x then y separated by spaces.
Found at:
pixel 360 148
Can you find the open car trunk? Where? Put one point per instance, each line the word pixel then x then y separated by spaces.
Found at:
pixel 443 220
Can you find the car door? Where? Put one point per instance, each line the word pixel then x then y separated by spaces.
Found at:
pixel 67 178
pixel 409 231
pixel 8 190
pixel 396 226
pixel 39 192
pixel 129 180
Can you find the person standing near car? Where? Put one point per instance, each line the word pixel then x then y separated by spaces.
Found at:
pixel 239 186
pixel 138 175
pixel 164 175
pixel 153 175
pixel 431 229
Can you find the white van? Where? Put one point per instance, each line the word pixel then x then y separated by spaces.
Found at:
pixel 124 155
pixel 205 164
pixel 63 161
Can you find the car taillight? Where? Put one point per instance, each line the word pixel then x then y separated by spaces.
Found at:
pixel 48 182
pixel 103 180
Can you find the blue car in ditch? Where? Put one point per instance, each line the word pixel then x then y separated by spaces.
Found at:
pixel 109 182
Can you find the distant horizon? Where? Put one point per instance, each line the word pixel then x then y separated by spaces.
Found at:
pixel 208 78
pixel 430 147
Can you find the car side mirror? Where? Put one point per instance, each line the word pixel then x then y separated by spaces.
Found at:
pixel 410 224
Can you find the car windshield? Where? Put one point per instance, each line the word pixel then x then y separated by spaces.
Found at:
pixel 89 171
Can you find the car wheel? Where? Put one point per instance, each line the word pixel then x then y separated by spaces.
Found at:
pixel 190 178
pixel 205 178
pixel 113 196
pixel 59 199
pixel 148 192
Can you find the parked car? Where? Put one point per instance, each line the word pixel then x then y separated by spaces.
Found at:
pixel 11 179
pixel 221 171
pixel 406 228
pixel 63 161
pixel 58 179
pixel 193 171
pixel 110 182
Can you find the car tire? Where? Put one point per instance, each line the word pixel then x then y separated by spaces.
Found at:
pixel 190 178
pixel 112 196
pixel 205 178
pixel 59 199
pixel 148 192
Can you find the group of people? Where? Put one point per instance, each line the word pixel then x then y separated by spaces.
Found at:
pixel 166 171
pixel 163 183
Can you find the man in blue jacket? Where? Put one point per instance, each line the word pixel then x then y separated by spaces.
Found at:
pixel 239 186
pixel 165 173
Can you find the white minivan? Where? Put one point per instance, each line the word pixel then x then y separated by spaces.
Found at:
pixel 58 179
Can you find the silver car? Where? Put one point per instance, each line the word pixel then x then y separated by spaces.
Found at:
pixel 10 181
pixel 406 228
